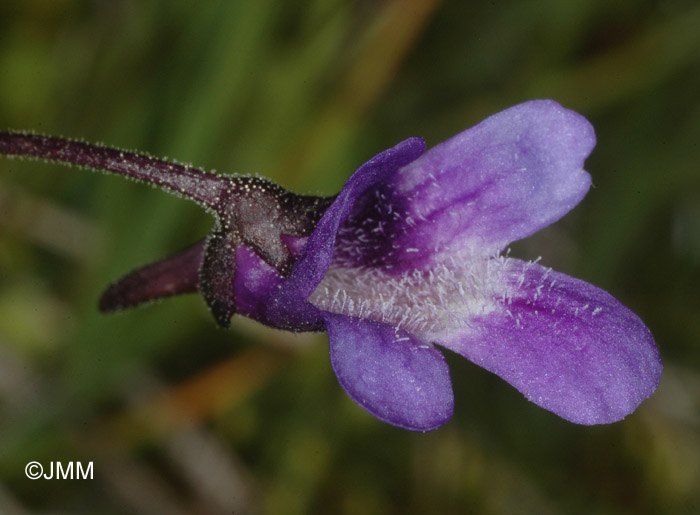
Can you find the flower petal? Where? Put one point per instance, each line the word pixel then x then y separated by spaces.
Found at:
pixel 290 304
pixel 392 375
pixel 568 346
pixel 502 180
pixel 256 284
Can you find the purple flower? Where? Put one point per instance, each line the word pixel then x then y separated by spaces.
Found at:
pixel 410 255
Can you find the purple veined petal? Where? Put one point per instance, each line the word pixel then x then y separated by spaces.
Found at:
pixel 263 295
pixel 502 180
pixel 395 377
pixel 257 285
pixel 567 345
pixel 290 303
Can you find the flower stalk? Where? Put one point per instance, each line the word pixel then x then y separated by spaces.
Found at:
pixel 248 211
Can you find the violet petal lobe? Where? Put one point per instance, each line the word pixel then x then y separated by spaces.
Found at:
pixel 255 283
pixel 289 304
pixel 395 377
pixel 502 180
pixel 569 346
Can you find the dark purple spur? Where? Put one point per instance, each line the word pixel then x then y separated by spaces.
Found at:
pixel 408 255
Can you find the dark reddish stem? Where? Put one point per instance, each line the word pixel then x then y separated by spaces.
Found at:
pixel 249 210
pixel 203 187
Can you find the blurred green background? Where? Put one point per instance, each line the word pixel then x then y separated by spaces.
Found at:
pixel 180 417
